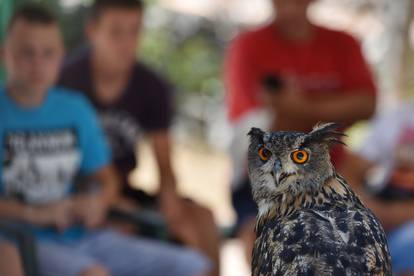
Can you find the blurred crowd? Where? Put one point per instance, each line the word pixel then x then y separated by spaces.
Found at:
pixel 69 127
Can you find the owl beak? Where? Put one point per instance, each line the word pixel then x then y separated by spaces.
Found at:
pixel 277 171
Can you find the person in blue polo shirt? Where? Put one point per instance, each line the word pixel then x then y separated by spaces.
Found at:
pixel 49 136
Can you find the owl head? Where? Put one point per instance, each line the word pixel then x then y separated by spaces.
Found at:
pixel 290 162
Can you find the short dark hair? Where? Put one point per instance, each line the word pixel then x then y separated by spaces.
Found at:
pixel 33 13
pixel 100 5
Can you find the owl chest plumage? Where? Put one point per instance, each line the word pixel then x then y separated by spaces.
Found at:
pixel 339 237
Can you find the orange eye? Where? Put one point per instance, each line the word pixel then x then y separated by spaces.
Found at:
pixel 300 156
pixel 264 154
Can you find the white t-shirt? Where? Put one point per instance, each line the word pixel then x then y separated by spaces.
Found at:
pixel 390 137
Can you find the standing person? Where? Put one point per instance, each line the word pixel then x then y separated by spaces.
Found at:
pixel 320 75
pixel 382 171
pixel 48 135
pixel 130 99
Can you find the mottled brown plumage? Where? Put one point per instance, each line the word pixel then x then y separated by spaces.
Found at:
pixel 310 222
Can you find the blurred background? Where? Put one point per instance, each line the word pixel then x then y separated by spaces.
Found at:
pixel 186 40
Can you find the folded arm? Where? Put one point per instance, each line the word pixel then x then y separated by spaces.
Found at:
pixel 57 214
pixel 345 108
pixel 297 112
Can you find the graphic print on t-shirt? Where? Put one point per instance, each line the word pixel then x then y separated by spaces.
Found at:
pixel 121 130
pixel 39 166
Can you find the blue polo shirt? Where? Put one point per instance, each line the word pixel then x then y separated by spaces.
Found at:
pixel 43 149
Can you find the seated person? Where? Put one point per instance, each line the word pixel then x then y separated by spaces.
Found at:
pixel 132 101
pixel 321 76
pixel 385 164
pixel 48 135
pixel 10 262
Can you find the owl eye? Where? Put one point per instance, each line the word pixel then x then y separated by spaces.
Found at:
pixel 300 156
pixel 264 153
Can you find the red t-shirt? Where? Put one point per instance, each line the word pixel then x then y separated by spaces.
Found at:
pixel 331 62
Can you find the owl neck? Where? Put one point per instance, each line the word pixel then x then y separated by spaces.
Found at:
pixel 333 190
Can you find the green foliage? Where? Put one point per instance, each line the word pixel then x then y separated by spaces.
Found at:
pixel 193 64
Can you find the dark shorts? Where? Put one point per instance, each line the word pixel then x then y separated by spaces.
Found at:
pixel 243 204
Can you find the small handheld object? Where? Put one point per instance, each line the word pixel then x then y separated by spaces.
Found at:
pixel 272 83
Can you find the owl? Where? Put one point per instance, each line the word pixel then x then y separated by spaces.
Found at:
pixel 309 220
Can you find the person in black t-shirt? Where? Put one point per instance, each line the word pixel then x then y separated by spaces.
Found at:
pixel 132 100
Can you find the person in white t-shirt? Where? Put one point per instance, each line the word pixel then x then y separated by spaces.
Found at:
pixel 384 165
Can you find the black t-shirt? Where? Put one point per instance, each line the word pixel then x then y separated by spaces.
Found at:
pixel 145 106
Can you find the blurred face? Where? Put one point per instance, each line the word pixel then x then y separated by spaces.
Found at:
pixel 114 36
pixel 291 12
pixel 33 55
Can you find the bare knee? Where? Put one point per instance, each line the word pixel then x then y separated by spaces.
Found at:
pixel 199 214
pixel 8 249
pixel 207 215
pixel 10 262
pixel 95 270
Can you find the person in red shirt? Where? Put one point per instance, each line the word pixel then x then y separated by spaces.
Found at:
pixel 322 76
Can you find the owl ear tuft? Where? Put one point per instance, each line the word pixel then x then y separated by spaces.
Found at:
pixel 326 133
pixel 256 134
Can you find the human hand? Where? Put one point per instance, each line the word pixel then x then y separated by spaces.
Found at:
pixel 58 214
pixel 170 206
pixel 90 210
pixel 290 118
pixel 289 102
pixel 179 213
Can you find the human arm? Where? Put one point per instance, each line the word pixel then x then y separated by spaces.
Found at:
pixel 57 214
pixel 296 111
pixel 161 145
pixel 354 99
pixel 391 213
pixel 347 107
pixel 91 208
pixel 169 198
